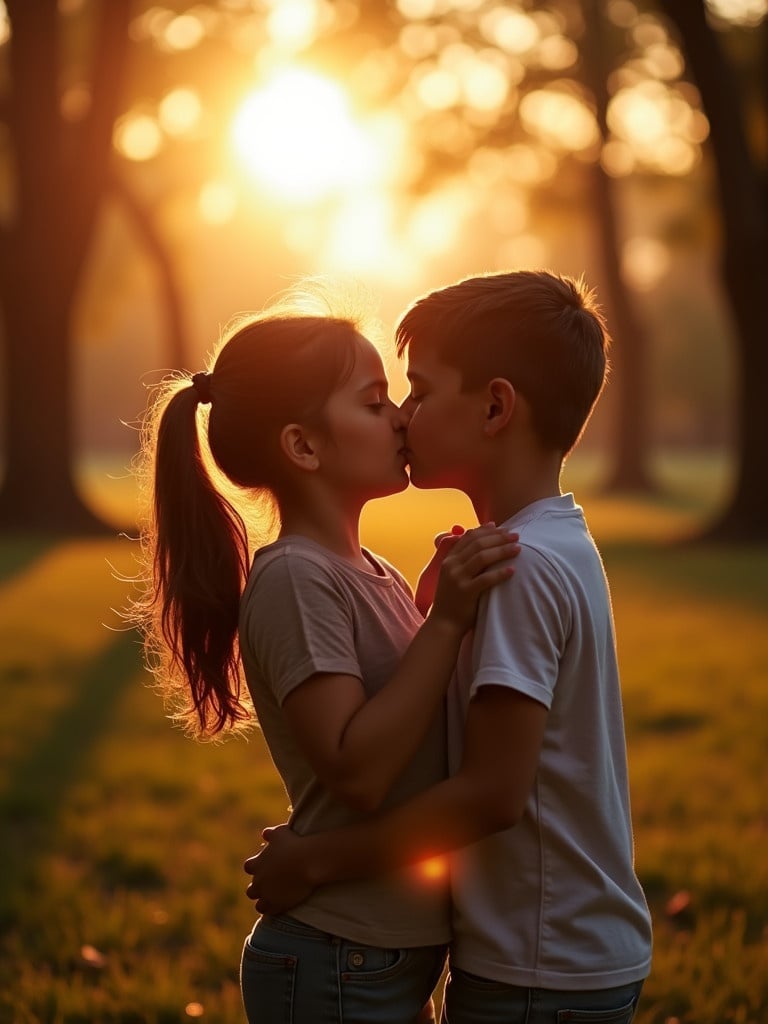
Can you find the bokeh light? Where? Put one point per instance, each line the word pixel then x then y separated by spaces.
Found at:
pixel 183 32
pixel 138 137
pixel 510 28
pixel 556 53
pixel 740 12
pixel 433 869
pixel 622 13
pixel 644 262
pixel 179 111
pixel 659 125
pixel 560 117
pixel 5 25
pixel 293 25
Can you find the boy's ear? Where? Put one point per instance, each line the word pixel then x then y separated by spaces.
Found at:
pixel 500 405
pixel 298 447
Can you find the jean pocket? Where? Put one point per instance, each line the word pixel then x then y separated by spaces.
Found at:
pixel 621 1015
pixel 370 963
pixel 386 986
pixel 268 982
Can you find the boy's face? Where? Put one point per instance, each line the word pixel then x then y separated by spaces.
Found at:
pixel 445 424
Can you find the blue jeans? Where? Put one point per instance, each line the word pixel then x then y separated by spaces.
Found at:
pixel 473 1000
pixel 291 973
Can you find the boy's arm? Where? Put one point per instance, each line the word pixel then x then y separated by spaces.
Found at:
pixel 503 737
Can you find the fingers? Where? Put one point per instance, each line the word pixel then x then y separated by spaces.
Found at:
pixel 481 547
pixel 446 541
pixel 480 560
pixel 456 531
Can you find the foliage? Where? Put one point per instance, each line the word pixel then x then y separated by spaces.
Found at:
pixel 121 897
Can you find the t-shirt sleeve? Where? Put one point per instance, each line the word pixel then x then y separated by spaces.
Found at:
pixel 298 622
pixel 521 631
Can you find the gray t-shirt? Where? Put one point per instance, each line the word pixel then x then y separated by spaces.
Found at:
pixel 306 610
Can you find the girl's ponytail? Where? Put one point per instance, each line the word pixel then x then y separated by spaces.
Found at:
pixel 275 369
pixel 196 551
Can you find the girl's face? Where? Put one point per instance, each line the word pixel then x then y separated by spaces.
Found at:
pixel 362 450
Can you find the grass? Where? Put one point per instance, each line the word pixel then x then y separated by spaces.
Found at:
pixel 121 894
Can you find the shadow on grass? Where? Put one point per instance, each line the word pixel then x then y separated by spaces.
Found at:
pixel 37 784
pixel 18 553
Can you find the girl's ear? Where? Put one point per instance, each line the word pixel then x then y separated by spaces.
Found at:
pixel 298 447
pixel 501 398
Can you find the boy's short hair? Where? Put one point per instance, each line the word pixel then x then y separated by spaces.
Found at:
pixel 541 331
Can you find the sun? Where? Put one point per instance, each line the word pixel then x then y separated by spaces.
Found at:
pixel 298 138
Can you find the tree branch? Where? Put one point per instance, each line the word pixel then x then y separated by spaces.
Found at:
pixel 91 153
pixel 170 293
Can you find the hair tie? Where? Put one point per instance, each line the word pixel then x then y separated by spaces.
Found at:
pixel 202 385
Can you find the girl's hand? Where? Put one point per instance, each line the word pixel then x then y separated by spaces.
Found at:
pixel 473 563
pixel 279 879
pixel 425 589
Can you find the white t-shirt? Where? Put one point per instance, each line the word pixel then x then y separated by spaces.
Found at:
pixel 306 610
pixel 553 902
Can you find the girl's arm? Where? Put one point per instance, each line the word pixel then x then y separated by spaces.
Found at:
pixel 503 737
pixel 358 746
pixel 425 588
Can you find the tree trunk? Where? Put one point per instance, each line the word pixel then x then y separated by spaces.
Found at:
pixel 177 350
pixel 60 178
pixel 39 492
pixel 629 471
pixel 744 210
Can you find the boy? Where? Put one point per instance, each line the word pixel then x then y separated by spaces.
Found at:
pixel 549 920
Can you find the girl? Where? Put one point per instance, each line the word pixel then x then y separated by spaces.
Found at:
pixel 345 674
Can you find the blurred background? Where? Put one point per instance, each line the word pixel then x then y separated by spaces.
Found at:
pixel 165 166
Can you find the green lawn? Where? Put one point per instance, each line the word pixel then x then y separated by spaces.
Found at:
pixel 121 894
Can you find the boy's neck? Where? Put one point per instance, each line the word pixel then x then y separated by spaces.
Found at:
pixel 510 488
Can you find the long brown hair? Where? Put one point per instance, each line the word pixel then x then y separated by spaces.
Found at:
pixel 204 469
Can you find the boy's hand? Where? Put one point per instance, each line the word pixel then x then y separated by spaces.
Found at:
pixel 279 879
pixel 476 561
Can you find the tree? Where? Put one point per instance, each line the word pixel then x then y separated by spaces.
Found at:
pixel 742 191
pixel 63 174
pixel 630 452
pixel 42 252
